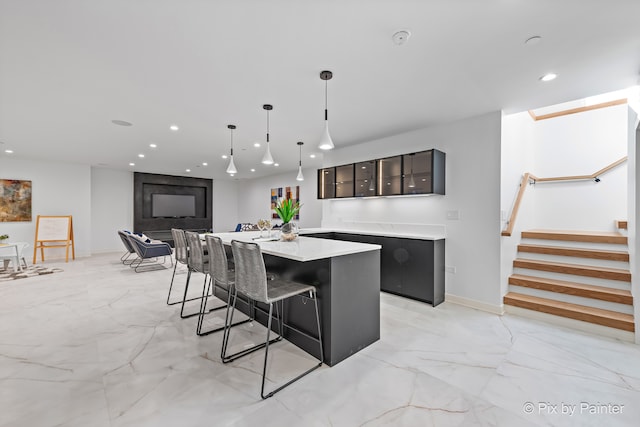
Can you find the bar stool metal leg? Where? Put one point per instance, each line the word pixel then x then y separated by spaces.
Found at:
pixel 266 351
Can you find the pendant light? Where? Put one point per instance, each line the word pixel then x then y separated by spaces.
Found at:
pixel 231 169
pixel 325 141
pixel 412 183
pixel 267 159
pixel 300 177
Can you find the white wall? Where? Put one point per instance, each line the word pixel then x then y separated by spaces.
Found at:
pixel 254 197
pixel 57 189
pixel 225 205
pixel 517 159
pixel 111 208
pixel 581 144
pixel 473 165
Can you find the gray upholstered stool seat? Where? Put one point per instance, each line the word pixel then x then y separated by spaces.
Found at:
pixel 278 290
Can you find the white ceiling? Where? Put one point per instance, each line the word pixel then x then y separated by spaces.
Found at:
pixel 69 67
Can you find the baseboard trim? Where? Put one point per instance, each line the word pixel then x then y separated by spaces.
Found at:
pixel 579 325
pixel 483 306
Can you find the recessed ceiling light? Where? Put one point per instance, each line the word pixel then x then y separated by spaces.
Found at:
pixel 313 156
pixel 224 156
pixel 174 127
pixel 533 40
pixel 121 123
pixel 153 145
pixel 187 170
pixel 253 170
pixel 132 164
pixel 205 164
pixel 141 155
pixel 8 151
pixel 257 145
pixel 548 77
pixel 276 164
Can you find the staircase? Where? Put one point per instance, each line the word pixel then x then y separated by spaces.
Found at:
pixel 578 275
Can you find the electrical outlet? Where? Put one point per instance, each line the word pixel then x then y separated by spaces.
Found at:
pixel 450 269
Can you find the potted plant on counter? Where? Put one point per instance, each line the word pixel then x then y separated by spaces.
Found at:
pixel 287 209
pixel 3 237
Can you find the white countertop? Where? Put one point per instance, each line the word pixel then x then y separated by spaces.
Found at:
pixel 301 249
pixel 385 233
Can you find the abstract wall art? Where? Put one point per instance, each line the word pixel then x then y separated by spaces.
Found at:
pixel 15 200
pixel 284 193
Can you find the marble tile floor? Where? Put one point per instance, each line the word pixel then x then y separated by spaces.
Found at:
pixel 96 345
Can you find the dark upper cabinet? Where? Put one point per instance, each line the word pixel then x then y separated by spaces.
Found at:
pixel 344 181
pixel 365 184
pixel 390 176
pixel 327 183
pixel 422 172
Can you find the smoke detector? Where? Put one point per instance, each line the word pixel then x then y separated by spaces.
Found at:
pixel 401 36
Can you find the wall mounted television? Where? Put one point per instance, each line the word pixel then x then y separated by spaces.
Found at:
pixel 173 205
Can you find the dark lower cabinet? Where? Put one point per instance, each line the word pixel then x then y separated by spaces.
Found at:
pixel 412 268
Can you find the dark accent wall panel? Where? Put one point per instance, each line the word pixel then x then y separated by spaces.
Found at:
pixel 146 184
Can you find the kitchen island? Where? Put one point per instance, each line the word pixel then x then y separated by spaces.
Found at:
pixel 347 278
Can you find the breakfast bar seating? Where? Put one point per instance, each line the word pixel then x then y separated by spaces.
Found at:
pixel 346 277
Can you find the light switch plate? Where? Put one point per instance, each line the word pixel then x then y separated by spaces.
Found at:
pixel 453 215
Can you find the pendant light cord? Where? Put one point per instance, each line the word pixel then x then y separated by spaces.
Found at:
pixel 326 101
pixel 267 127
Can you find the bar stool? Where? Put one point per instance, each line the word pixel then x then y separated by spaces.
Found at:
pixel 221 276
pixel 182 257
pixel 195 262
pixel 251 281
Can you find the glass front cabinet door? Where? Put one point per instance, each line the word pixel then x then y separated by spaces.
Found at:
pixel 365 179
pixel 423 172
pixel 344 181
pixel 390 176
pixel 327 183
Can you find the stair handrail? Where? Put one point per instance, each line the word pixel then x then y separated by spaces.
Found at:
pixel 530 178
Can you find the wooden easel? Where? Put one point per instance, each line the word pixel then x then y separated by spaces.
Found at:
pixel 54 232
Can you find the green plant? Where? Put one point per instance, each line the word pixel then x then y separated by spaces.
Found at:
pixel 4 236
pixel 287 209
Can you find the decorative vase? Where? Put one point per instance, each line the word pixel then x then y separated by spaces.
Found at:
pixel 289 231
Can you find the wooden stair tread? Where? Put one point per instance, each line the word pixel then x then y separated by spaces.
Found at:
pixel 575 252
pixel 577 236
pixel 576 269
pixel 598 316
pixel 603 293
